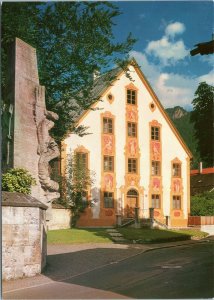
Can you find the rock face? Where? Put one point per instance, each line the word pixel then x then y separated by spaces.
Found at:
pixel 26 140
pixel 179 113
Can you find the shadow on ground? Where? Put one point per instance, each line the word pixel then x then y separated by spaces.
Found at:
pixel 65 265
pixel 163 273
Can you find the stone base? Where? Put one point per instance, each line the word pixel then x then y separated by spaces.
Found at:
pixel 24 241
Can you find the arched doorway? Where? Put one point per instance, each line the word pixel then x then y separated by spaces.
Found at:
pixel 131 203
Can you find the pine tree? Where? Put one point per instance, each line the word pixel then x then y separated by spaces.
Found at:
pixel 202 116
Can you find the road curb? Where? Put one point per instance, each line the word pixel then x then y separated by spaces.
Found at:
pixel 177 245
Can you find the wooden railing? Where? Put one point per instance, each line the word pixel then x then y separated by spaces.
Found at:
pixel 200 220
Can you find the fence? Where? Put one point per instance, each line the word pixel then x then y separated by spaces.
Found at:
pixel 200 220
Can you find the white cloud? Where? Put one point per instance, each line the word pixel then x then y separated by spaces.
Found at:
pixel 209 78
pixel 172 92
pixel 174 28
pixel 172 89
pixel 208 59
pixel 168 52
pixel 150 70
pixel 166 49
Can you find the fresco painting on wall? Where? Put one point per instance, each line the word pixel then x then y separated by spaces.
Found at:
pixel 132 146
pixel 109 212
pixel 156 185
pixel 177 214
pixel 176 186
pixel 108 143
pixel 156 152
pixel 132 115
pixel 108 182
pixel 132 180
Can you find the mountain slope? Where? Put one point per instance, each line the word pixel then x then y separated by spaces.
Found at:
pixel 181 120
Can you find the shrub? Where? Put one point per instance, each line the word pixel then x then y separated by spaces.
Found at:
pixel 17 180
pixel 203 204
pixel 76 182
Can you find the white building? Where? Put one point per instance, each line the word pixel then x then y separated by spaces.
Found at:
pixel 139 158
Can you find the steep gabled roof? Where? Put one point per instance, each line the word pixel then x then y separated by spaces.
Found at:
pixel 103 82
pixel 100 84
pixel 160 106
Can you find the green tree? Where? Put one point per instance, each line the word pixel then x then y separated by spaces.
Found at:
pixel 202 116
pixel 202 204
pixel 186 129
pixel 73 40
pixel 17 180
pixel 77 181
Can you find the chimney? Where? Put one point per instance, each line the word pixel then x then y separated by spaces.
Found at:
pixel 200 167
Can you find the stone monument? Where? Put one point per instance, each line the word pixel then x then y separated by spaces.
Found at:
pixel 26 123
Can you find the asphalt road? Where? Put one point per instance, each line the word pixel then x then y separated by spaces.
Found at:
pixel 170 273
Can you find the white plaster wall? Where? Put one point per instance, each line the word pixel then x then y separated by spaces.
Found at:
pixel 171 147
pixel 61 219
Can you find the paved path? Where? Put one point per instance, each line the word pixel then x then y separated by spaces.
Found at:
pixel 116 236
pixel 67 262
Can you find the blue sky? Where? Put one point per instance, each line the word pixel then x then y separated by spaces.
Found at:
pixel 166 32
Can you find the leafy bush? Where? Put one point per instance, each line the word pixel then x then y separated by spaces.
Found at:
pixel 17 180
pixel 202 204
pixel 76 183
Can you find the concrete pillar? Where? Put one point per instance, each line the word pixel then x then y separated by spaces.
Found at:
pixel 119 220
pixel 137 223
pixel 151 216
pixel 168 221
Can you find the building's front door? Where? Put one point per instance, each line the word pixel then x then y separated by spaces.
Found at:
pixel 131 203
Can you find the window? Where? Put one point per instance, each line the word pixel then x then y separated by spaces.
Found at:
pixel 82 160
pixel 108 163
pixel 156 168
pixel 132 165
pixel 155 133
pixel 108 200
pixel 156 201
pixel 132 129
pixel 176 170
pixel 107 125
pixel 176 204
pixel 131 97
pixel 132 193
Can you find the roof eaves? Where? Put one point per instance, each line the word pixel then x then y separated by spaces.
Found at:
pixel 98 96
pixel 154 96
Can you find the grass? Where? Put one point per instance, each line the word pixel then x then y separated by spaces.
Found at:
pixel 158 235
pixel 77 236
pixel 197 234
pixel 142 235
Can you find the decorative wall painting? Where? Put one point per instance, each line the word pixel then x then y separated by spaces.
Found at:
pixel 108 144
pixel 156 150
pixel 156 184
pixel 108 182
pixel 176 186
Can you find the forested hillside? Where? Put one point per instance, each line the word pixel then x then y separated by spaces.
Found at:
pixel 181 119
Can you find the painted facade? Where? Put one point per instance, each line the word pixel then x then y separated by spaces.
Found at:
pixel 136 153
